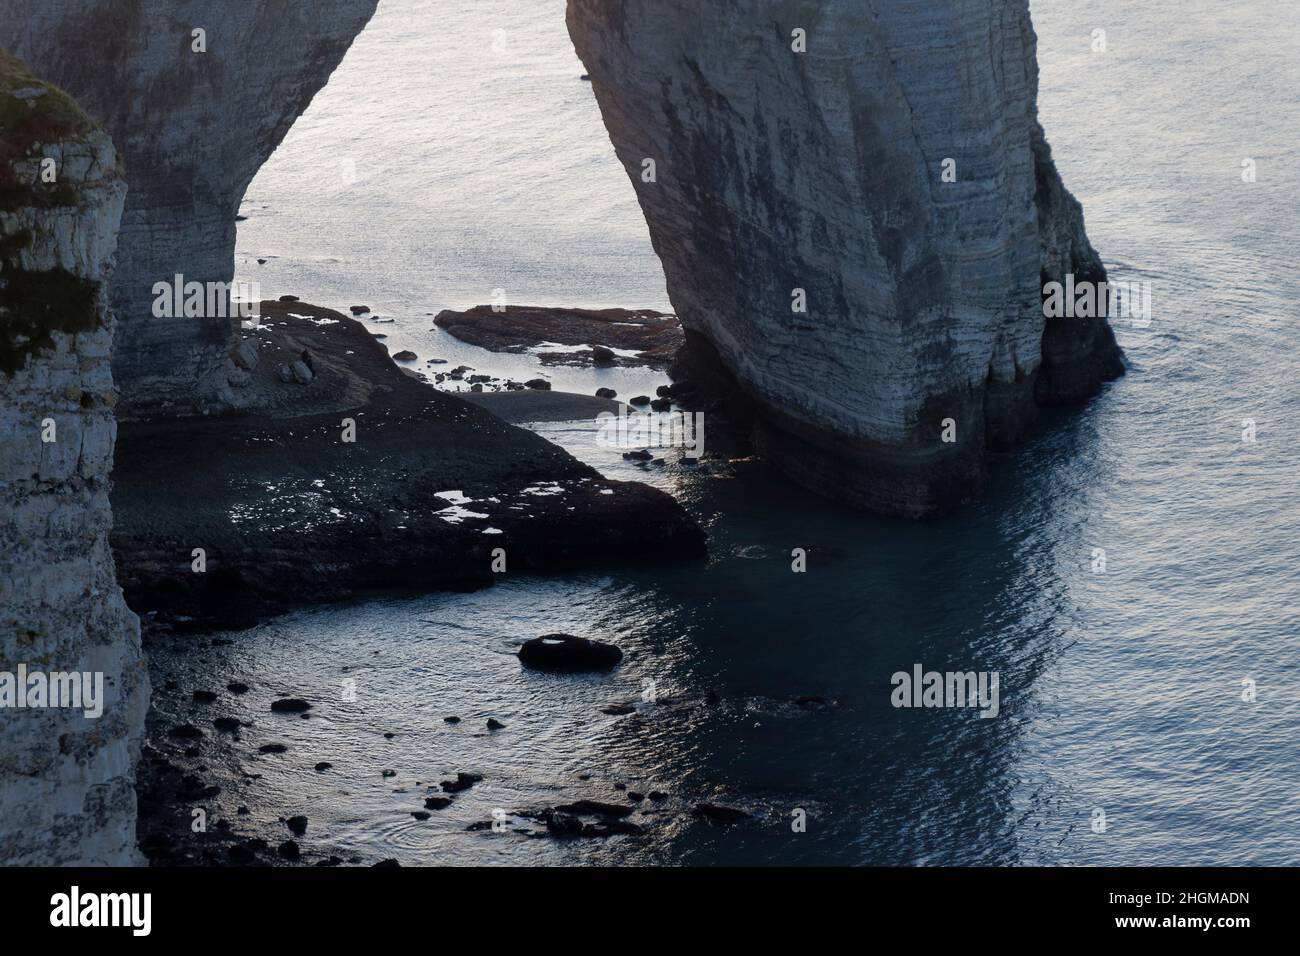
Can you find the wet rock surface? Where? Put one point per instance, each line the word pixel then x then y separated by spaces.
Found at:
pixel 287 512
pixel 643 336
pixel 568 654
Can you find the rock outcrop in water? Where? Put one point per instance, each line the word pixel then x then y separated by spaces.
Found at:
pixel 783 177
pixel 66 780
pixel 193 129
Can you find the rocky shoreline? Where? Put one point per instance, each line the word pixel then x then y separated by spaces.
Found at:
pixel 287 511
pixel 223 747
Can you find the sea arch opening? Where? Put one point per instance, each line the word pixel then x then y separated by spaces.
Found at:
pixel 455 158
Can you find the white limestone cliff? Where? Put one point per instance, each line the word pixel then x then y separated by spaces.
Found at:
pixel 821 170
pixel 66 780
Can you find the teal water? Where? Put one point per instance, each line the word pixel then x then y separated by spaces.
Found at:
pixel 1121 691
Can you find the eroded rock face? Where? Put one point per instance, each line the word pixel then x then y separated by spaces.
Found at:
pixel 193 129
pixel 66 780
pixel 822 171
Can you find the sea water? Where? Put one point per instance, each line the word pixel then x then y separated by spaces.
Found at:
pixel 1131 575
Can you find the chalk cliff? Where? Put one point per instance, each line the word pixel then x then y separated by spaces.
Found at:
pixel 193 129
pixel 66 781
pixel 798 157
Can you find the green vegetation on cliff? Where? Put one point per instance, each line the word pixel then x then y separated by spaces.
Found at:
pixel 34 305
pixel 32 113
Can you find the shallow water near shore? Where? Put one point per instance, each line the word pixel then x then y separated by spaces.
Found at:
pixel 1119 691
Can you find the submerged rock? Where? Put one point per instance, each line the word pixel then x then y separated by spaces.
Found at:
pixel 713 813
pixel 566 653
pixel 462 782
pixel 563 824
pixel 290 705
pixel 597 808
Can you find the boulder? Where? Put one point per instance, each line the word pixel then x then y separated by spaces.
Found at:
pixel 713 813
pixel 565 653
pixel 245 354
pixel 290 705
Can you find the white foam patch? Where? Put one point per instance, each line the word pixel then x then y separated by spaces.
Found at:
pixel 545 489
pixel 456 514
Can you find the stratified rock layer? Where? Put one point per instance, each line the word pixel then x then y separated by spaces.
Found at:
pixel 781 175
pixel 193 128
pixel 66 781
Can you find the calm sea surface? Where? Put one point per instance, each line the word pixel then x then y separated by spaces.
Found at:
pixel 433 170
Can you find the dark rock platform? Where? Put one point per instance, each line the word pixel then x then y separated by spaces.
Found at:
pixel 288 513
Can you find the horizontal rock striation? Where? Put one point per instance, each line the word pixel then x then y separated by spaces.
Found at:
pixel 66 780
pixel 193 129
pixel 773 179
